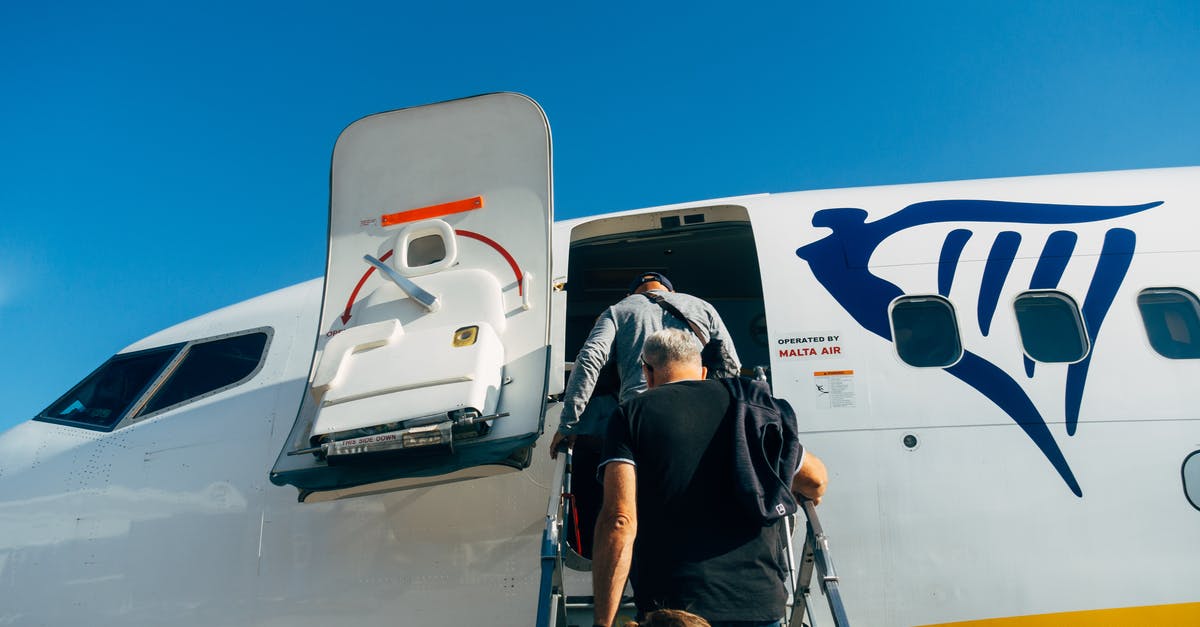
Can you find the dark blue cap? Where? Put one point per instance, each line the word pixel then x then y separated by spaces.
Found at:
pixel 647 277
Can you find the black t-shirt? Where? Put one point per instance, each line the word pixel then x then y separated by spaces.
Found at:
pixel 694 550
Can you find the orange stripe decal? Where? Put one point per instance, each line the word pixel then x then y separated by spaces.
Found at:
pixel 1181 614
pixel 432 211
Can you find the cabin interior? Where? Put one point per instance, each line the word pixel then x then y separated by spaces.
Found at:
pixel 707 252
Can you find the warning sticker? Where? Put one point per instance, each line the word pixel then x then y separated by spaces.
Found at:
pixel 834 389
pixel 806 346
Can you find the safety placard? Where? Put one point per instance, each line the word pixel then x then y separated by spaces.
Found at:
pixel 834 389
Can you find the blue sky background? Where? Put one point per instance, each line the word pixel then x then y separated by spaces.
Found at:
pixel 162 159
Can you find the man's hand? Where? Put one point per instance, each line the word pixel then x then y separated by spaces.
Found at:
pixel 558 440
pixel 811 478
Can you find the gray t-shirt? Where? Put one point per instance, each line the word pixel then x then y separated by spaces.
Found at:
pixel 620 331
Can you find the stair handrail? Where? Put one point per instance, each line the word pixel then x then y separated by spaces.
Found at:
pixel 816 554
pixel 551 601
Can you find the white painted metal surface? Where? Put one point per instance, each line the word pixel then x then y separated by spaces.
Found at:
pixel 438 275
pixel 175 519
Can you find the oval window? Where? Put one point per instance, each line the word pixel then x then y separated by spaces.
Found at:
pixel 1191 479
pixel 1172 320
pixel 1051 327
pixel 925 330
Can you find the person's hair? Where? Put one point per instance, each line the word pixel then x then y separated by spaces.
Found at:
pixel 670 346
pixel 670 618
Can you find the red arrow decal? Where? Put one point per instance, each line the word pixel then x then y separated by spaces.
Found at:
pixel 354 294
pixel 500 249
pixel 469 234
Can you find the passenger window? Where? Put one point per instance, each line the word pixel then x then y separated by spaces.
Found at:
pixel 1051 327
pixel 1191 478
pixel 1172 320
pixel 925 329
pixel 106 395
pixel 209 367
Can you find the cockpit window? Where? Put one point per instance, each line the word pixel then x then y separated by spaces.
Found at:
pixel 209 367
pixel 168 377
pixel 106 396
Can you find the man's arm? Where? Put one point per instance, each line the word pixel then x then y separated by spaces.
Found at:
pixel 612 548
pixel 810 479
pixel 592 357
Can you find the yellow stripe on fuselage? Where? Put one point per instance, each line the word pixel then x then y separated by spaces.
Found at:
pixel 1182 615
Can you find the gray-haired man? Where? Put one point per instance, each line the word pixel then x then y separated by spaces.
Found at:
pixel 670 495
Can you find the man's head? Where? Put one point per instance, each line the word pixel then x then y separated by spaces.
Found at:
pixel 671 355
pixel 647 281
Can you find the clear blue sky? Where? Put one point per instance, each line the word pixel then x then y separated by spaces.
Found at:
pixel 162 159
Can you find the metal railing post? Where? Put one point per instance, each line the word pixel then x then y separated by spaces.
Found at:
pixel 551 602
pixel 824 565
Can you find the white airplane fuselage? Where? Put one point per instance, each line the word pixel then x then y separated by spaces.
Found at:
pixel 949 499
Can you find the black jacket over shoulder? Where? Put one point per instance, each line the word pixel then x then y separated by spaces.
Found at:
pixel 766 449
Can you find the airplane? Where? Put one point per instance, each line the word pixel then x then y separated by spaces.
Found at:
pixel 999 374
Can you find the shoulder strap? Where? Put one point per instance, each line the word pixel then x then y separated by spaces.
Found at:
pixel 674 311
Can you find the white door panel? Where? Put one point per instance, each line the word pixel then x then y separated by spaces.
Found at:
pixel 434 338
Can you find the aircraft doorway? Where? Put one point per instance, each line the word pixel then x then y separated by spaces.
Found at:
pixel 707 252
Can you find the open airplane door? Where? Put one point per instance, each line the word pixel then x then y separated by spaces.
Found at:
pixel 432 360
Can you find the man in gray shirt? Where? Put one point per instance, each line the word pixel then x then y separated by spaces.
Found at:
pixel 618 334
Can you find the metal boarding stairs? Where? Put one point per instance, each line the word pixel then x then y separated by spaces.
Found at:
pixel 558 609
